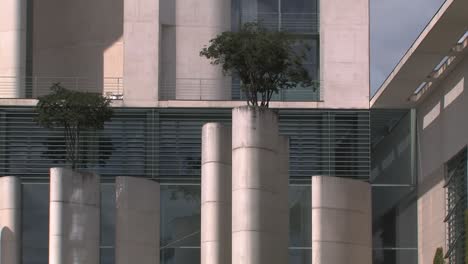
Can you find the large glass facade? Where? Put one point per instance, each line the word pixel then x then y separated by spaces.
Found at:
pixel 164 145
pixel 394 193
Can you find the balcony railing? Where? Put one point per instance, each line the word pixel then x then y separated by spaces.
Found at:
pixel 34 86
pixel 113 88
pixel 209 89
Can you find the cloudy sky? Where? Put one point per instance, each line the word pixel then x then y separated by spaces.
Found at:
pixel 395 24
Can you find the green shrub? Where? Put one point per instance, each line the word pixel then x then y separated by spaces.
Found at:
pixel 439 256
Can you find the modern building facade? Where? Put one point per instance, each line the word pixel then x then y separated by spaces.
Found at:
pixel 145 56
pixel 431 81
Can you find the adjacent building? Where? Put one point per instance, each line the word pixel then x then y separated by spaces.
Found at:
pixel 431 81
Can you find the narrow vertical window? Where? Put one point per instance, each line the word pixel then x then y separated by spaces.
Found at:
pixel 456 190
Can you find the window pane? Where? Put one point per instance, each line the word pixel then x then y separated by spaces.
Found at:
pixel 107 223
pixel 299 6
pixel 395 238
pixel 180 224
pixel 300 216
pixel 35 217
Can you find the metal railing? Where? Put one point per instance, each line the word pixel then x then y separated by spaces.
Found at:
pixel 194 89
pixel 216 89
pixel 35 86
pixel 305 23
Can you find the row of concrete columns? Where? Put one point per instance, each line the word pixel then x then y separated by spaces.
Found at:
pixel 74 219
pixel 245 212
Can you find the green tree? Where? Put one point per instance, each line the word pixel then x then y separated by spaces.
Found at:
pixel 73 111
pixel 265 61
pixel 439 256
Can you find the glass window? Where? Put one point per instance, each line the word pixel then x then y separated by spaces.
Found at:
pixel 180 224
pixel 300 224
pixel 107 223
pixel 455 184
pixel 35 225
pixel 395 238
pixel 299 6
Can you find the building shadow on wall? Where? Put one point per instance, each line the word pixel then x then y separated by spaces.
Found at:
pixel 77 43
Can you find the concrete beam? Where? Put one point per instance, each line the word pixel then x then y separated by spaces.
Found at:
pixel 216 194
pixel 341 221
pixel 137 221
pixel 74 219
pixel 10 220
pixel 259 219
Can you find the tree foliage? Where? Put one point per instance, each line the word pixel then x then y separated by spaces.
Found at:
pixel 439 256
pixel 73 111
pixel 265 61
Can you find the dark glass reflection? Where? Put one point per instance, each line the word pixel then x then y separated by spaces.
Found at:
pixel 107 223
pixel 394 198
pixel 35 225
pixel 180 224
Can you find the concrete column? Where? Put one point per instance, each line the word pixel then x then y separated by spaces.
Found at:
pixel 259 219
pixel 141 50
pixel 341 221
pixel 344 53
pixel 137 221
pixel 10 220
pixel 74 217
pixel 216 194
pixel 13 47
pixel 196 22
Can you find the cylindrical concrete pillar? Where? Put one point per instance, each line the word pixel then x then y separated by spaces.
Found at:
pixel 216 194
pixel 74 217
pixel 341 221
pixel 258 179
pixel 137 221
pixel 196 22
pixel 13 47
pixel 10 220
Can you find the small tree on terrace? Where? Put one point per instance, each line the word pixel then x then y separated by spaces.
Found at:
pixel 74 112
pixel 265 61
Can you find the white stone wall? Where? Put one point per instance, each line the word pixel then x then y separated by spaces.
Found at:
pixel 259 187
pixel 344 53
pixel 79 39
pixel 13 47
pixel 341 221
pixel 188 27
pixel 74 217
pixel 141 50
pixel 137 232
pixel 442 133
pixel 10 220
pixel 216 194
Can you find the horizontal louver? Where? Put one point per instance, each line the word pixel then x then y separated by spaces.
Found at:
pixel 165 143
